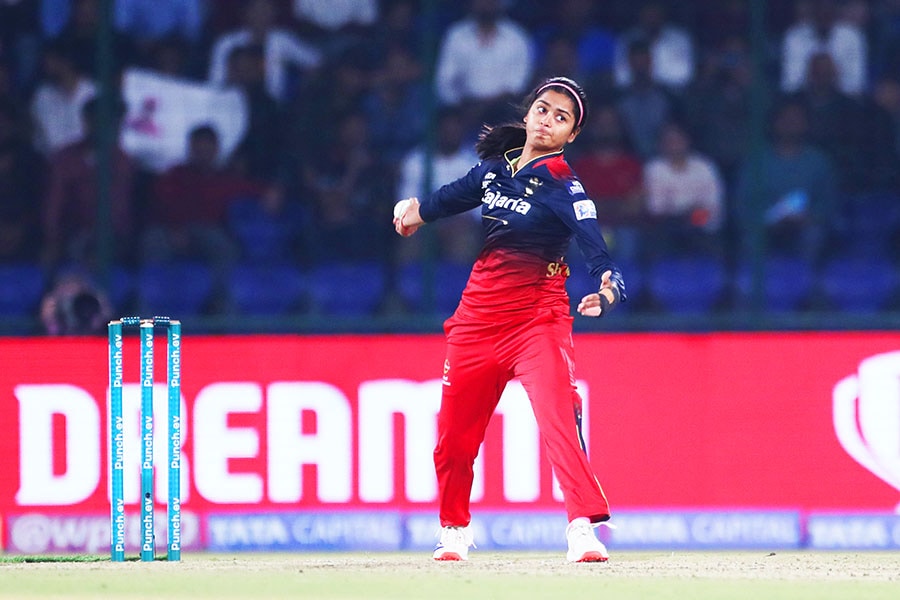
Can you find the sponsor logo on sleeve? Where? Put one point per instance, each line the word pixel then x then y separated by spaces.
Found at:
pixel 576 188
pixel 585 209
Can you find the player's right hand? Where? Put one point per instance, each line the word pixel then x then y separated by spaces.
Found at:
pixel 406 217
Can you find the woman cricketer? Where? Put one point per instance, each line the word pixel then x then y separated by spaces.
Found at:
pixel 513 319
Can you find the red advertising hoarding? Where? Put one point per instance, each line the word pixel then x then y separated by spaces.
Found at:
pixel 800 422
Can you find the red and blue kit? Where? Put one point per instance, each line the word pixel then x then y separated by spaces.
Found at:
pixel 514 321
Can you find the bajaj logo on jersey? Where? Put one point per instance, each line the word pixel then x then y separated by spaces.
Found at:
pixel 495 200
pixel 576 188
pixel 866 412
pixel 585 209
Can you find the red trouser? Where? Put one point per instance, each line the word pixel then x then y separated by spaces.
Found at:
pixel 482 356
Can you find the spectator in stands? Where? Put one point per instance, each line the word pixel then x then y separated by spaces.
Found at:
pixel 150 20
pixel 612 175
pixel 344 83
pixel 670 46
pixel 594 45
pixel 345 183
pixel 168 34
pixel 284 51
pixel 189 211
pixel 886 96
pixel 484 61
pixel 75 306
pixel 393 105
pixel 685 197
pixel 261 147
pixel 717 106
pixel 80 32
pixel 394 82
pixel 19 42
pixel 794 192
pixel 337 24
pixel 884 111
pixel 171 56
pixel 58 100
pixel 69 212
pixel 836 123
pixel 644 105
pixel 459 237
pixel 559 55
pixel 823 32
pixel 20 189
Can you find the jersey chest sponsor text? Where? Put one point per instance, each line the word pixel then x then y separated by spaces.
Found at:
pixel 495 199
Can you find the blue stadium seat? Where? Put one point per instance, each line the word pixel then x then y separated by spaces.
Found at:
pixel 21 288
pixel 859 283
pixel 687 284
pixel 347 288
pixel 177 289
pixel 262 237
pixel 266 290
pixel 788 283
pixel 871 222
pixel 449 281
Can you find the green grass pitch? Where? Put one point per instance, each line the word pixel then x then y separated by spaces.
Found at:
pixel 644 575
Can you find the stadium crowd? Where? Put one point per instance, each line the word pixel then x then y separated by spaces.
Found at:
pixel 353 104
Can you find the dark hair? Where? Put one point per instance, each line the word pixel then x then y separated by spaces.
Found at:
pixel 494 141
pixel 207 132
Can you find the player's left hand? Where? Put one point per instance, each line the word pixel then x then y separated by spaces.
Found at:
pixel 601 302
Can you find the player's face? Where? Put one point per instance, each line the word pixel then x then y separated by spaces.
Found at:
pixel 550 122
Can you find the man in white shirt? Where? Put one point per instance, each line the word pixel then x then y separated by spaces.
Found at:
pixel 57 102
pixel 844 42
pixel 283 49
pixel 671 49
pixel 336 14
pixel 484 57
pixel 684 193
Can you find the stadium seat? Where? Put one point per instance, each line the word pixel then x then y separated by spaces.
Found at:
pixel 449 281
pixel 859 283
pixel 787 286
pixel 687 284
pixel 266 290
pixel 21 289
pixel 871 223
pixel 347 288
pixel 262 237
pixel 176 289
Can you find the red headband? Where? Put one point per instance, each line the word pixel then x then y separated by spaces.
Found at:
pixel 572 91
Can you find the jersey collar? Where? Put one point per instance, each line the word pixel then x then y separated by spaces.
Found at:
pixel 512 157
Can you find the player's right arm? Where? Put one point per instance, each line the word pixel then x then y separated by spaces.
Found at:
pixel 453 198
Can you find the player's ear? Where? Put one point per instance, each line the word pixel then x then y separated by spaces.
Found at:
pixel 574 135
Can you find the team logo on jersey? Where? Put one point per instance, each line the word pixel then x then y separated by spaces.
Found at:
pixel 488 178
pixel 532 184
pixel 585 209
pixel 576 188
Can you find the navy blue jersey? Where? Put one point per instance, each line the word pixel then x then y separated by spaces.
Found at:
pixel 535 211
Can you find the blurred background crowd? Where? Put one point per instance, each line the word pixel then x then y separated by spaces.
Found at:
pixel 742 155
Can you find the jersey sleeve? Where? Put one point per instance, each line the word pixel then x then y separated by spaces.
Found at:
pixel 455 197
pixel 579 214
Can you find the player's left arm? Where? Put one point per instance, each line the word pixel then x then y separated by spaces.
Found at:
pixel 579 213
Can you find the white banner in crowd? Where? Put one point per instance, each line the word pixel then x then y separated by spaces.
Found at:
pixel 162 111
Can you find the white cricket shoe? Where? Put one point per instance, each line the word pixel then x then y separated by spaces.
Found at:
pixel 583 543
pixel 454 544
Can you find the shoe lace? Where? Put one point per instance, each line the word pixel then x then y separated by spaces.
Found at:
pixel 457 536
